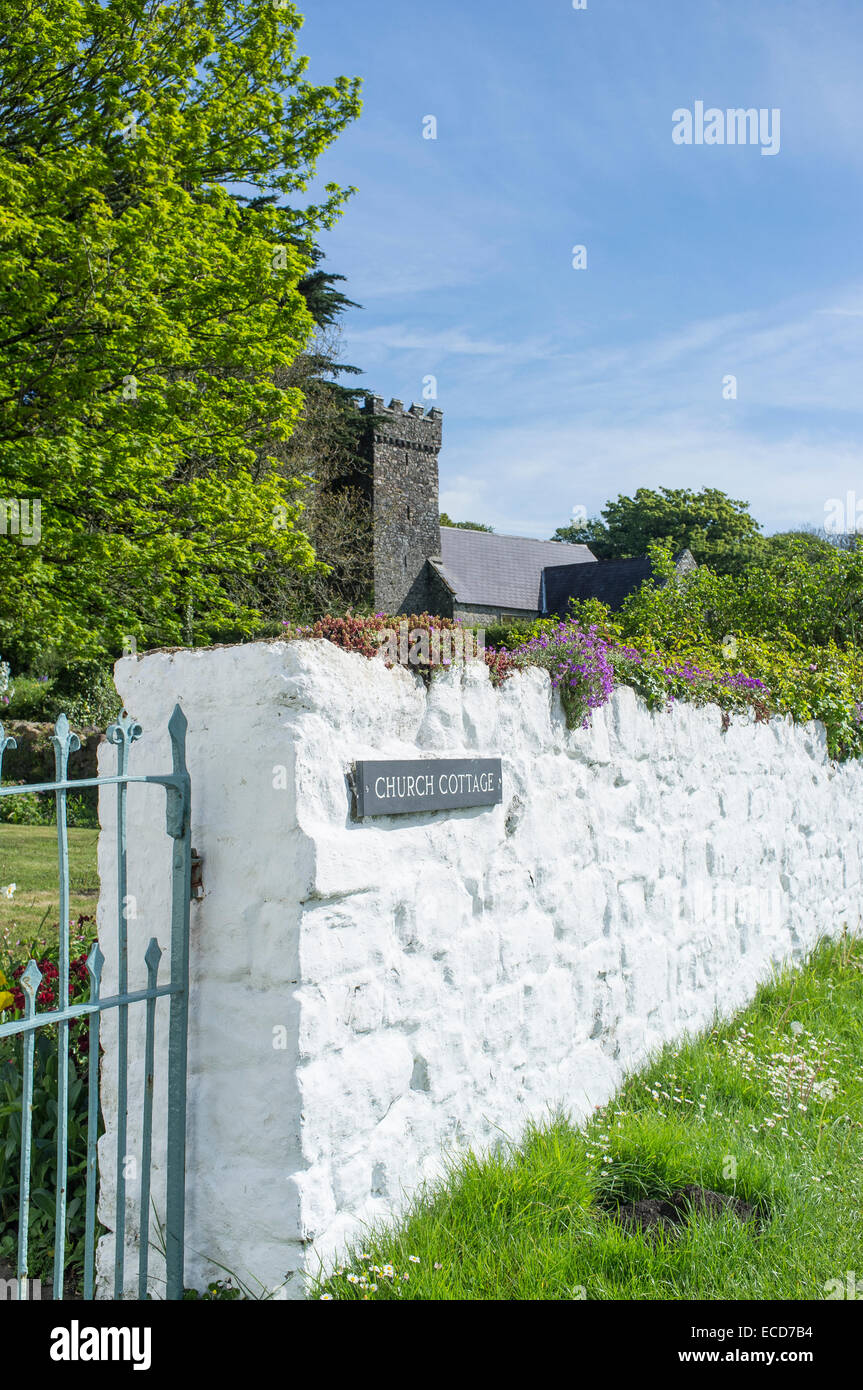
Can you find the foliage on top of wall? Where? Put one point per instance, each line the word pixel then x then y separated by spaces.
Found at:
pixel 409 639
pixel 676 657
pixel 724 640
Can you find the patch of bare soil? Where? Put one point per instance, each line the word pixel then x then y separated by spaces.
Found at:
pixel 654 1214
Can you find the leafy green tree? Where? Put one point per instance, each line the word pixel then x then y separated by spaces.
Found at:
pixel 327 453
pixel 592 533
pixel 464 525
pixel 153 245
pixel 809 541
pixel 794 596
pixel 717 529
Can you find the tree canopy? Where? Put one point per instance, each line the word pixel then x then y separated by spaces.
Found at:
pixel 716 528
pixel 158 272
pixel 464 525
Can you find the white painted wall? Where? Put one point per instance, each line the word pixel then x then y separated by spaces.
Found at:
pixel 440 978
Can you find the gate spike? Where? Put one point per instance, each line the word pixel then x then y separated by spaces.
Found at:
pixel 31 978
pixel 95 961
pixel 153 954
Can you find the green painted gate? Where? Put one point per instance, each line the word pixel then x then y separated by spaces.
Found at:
pixel 178 792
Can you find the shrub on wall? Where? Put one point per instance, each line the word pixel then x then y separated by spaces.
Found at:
pixel 509 635
pixel 578 662
pixel 669 642
pixel 420 640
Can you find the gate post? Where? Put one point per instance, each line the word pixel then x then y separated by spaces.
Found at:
pixel 179 824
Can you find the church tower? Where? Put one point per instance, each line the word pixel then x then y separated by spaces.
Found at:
pixel 403 446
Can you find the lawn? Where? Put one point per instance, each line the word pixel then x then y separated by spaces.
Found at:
pixel 767 1108
pixel 28 858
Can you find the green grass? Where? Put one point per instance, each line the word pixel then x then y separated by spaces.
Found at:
pixel 28 858
pixel 768 1107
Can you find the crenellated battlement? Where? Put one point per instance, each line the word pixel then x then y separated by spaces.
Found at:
pixel 374 405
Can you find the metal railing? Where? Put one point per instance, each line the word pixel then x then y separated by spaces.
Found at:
pixel 177 785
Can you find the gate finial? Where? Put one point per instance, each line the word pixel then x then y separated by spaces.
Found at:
pixel 6 741
pixel 65 742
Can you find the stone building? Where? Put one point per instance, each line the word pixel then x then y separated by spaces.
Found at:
pixel 403 446
pixel 480 576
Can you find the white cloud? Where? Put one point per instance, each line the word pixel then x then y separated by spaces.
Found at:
pixel 652 414
pixel 786 482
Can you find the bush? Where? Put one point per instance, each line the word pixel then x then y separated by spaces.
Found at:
pixel 40 808
pixel 28 808
pixel 83 691
pixel 369 636
pixel 815 672
pixel 6 690
pixel 28 699
pixel 508 636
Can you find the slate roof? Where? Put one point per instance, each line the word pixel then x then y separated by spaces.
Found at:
pixel 609 580
pixel 505 572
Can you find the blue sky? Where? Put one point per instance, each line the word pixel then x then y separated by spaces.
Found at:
pixel 561 387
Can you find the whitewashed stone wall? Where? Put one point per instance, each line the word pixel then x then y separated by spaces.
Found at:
pixel 366 995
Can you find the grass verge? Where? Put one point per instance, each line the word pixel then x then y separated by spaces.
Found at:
pixel 767 1107
pixel 28 858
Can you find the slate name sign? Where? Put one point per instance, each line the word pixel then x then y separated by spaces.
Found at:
pixel 394 787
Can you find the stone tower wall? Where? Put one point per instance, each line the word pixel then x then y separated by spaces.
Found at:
pixel 404 446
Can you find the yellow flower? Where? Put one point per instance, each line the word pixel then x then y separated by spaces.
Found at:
pixel 6 999
pixel 3 980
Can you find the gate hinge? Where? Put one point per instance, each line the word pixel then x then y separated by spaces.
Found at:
pixel 197 876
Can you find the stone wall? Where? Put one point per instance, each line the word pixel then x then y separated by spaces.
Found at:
pixel 480 615
pixel 441 596
pixel 404 446
pixel 365 995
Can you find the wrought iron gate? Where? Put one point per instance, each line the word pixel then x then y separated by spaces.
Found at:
pixel 178 791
